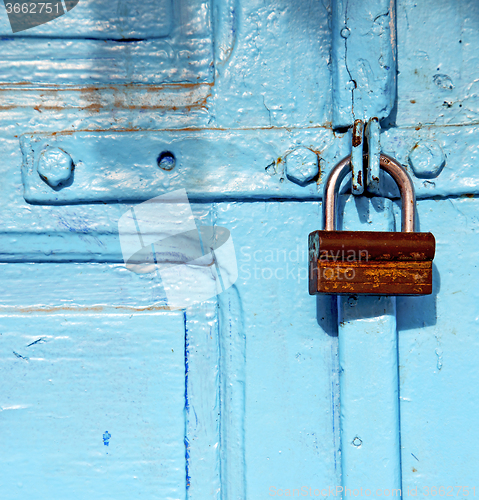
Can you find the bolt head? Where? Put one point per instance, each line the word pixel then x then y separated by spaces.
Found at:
pixel 427 159
pixel 302 166
pixel 55 166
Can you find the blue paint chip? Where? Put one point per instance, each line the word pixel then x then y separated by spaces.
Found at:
pixel 106 438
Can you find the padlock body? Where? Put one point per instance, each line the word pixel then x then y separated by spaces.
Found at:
pixel 370 263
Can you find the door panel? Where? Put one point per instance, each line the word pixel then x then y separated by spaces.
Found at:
pixel 289 362
pixel 438 346
pixel 90 19
pixel 438 82
pixel 113 43
pixel 237 397
pixel 91 405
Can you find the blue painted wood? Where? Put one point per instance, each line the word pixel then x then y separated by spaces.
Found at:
pixel 90 19
pixel 369 380
pixel 438 80
pixel 202 396
pixel 364 61
pixel 122 166
pixel 279 346
pixel 438 347
pixel 369 383
pixel 114 43
pixel 90 405
pixel 245 82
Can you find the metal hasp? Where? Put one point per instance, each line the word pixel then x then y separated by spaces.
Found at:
pixel 370 263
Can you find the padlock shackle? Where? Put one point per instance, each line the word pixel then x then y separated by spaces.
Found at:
pixel 389 165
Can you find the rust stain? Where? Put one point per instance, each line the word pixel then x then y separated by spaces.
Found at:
pixel 373 263
pixel 187 108
pixel 19 84
pixel 95 107
pixel 48 108
pixel 6 86
pixel 390 278
pixel 117 102
pixel 88 90
pixel 94 95
pixel 176 130
pixel 119 130
pixel 320 178
pixel 156 88
pixel 412 101
pixel 84 309
pixel 357 133
pixel 414 470
pixel 78 88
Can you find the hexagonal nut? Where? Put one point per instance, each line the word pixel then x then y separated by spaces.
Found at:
pixel 427 159
pixel 55 166
pixel 302 166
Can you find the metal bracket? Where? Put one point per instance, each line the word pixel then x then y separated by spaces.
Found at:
pixel 88 167
pixel 215 164
pixel 357 158
pixel 373 134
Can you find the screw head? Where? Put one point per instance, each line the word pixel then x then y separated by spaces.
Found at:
pixel 166 161
pixel 55 166
pixel 302 166
pixel 427 159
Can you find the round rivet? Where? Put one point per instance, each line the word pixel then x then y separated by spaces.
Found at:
pixel 55 166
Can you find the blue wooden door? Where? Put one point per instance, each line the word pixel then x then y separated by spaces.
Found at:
pixel 258 390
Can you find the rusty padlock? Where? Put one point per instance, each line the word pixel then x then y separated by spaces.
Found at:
pixel 367 262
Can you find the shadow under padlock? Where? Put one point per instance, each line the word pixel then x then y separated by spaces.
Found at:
pixel 366 213
pixel 26 15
